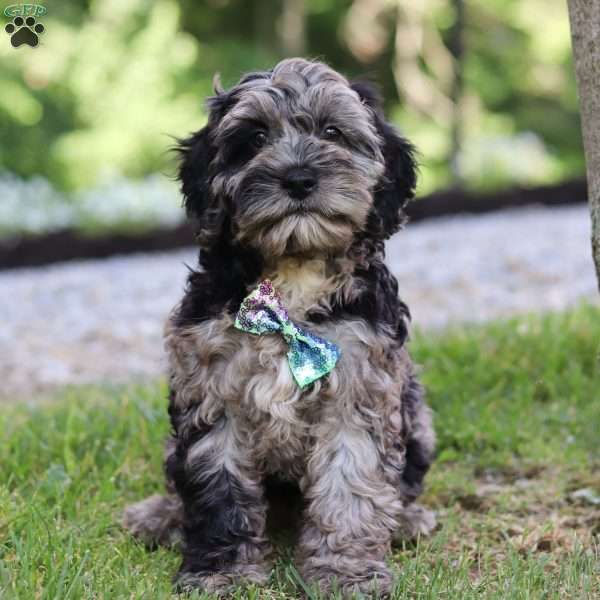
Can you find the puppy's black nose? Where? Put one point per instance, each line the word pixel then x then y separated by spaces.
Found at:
pixel 299 182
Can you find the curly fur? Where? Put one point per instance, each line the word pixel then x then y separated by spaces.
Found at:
pixel 358 442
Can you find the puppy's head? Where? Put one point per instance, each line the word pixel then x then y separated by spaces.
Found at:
pixel 296 160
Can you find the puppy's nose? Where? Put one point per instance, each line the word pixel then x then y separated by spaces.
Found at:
pixel 299 182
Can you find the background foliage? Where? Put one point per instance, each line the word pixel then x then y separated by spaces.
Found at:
pixel 484 87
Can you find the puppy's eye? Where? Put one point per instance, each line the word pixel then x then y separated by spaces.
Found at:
pixel 259 139
pixel 332 133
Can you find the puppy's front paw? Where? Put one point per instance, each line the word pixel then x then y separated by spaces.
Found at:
pixel 220 584
pixel 374 585
pixel 369 579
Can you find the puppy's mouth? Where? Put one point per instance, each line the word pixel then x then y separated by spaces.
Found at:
pixel 303 207
pixel 300 231
pixel 311 208
pixel 271 208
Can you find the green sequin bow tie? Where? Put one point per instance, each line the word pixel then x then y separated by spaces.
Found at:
pixel 309 356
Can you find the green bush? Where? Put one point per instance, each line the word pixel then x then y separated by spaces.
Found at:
pixel 113 81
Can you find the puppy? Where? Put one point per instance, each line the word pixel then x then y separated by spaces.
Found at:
pixel 297 180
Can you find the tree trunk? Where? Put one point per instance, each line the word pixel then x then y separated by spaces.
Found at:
pixel 585 33
pixel 456 45
pixel 292 28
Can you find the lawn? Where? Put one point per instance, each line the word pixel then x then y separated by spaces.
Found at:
pixel 516 484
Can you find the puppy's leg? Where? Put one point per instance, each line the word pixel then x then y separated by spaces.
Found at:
pixel 415 520
pixel 224 509
pixel 351 514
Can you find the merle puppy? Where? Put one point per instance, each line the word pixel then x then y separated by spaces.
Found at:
pixel 297 178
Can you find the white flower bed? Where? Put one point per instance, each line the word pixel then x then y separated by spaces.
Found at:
pixel 34 207
pixel 31 207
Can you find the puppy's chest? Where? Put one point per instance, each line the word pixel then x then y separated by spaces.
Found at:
pixel 277 410
pixel 249 375
pixel 302 286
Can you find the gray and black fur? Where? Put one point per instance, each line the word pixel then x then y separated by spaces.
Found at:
pixel 296 177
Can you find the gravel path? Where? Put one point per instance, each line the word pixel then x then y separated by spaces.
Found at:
pixel 90 321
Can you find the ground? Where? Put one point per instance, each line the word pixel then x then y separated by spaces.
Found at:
pixel 516 484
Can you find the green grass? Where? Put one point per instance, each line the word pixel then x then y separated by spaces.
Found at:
pixel 517 408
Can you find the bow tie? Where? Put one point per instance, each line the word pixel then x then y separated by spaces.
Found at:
pixel 309 356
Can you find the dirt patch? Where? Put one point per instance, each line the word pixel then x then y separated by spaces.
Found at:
pixel 525 511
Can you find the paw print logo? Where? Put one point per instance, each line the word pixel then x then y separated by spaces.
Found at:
pixel 24 31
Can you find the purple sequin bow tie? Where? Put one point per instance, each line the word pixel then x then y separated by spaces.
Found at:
pixel 309 356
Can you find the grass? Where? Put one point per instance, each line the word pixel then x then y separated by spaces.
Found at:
pixel 517 408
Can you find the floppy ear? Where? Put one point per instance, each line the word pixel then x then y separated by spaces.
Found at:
pixel 397 185
pixel 195 154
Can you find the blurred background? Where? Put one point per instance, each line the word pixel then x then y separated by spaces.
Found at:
pixel 485 88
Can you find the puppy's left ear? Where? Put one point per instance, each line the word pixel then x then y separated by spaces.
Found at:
pixel 398 183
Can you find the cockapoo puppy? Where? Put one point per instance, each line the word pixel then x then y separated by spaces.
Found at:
pixel 295 184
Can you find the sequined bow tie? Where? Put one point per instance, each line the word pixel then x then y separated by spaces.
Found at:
pixel 309 356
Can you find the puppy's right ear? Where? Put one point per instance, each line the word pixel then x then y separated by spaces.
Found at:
pixel 196 154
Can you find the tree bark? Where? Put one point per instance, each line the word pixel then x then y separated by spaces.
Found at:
pixel 584 16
